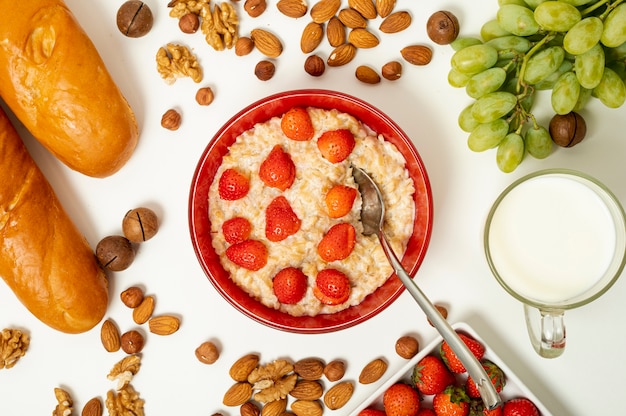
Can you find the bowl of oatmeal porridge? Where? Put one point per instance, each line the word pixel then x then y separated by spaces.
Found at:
pixel 244 145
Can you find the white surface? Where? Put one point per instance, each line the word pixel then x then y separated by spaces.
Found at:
pixel 454 272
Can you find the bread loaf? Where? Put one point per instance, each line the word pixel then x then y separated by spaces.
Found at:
pixel 44 258
pixel 54 80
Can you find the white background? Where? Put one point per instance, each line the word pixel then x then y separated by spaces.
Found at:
pixel 587 379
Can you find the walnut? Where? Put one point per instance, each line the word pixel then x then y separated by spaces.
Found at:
pixel 124 402
pixel 177 61
pixel 183 7
pixel 13 346
pixel 65 403
pixel 274 381
pixel 124 370
pixel 220 26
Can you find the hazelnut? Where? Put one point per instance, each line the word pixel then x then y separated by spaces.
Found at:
pixel 140 224
pixel 132 297
pixel 335 370
pixel 314 65
pixel 115 253
pixel 204 96
pixel 255 8
pixel 407 346
pixel 442 27
pixel 189 23
pixel 171 120
pixel 264 70
pixel 207 352
pixel 249 409
pixel 132 342
pixel 442 310
pixel 392 70
pixel 134 19
pixel 567 130
pixel 244 46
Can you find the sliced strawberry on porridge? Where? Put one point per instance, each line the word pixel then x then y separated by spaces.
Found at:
pixel 336 145
pixel 297 125
pixel 278 170
pixel 249 254
pixel 290 285
pixel 332 287
pixel 338 242
pixel 339 200
pixel 236 230
pixel 280 220
pixel 233 185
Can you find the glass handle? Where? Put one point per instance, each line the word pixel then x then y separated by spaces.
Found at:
pixel 546 330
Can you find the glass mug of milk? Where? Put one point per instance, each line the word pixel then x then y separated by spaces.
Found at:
pixel 555 240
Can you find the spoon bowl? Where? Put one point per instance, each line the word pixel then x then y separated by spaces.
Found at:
pixel 373 217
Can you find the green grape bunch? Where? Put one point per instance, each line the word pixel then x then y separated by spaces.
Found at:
pixel 574 48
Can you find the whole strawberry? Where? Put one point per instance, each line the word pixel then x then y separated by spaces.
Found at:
pixel 431 376
pixel 452 361
pixel 452 401
pixel 372 412
pixel 495 374
pixel 477 408
pixel 426 412
pixel 401 399
pixel 520 406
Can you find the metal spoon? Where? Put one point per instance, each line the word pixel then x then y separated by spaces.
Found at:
pixel 372 217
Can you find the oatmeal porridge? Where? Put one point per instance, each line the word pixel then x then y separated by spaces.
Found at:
pixel 365 266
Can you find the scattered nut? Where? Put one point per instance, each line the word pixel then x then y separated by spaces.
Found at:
pixel 171 119
pixel 132 342
pixel 204 96
pixel 417 54
pixel 255 8
pixel 407 346
pixel 110 336
pixel 132 297
pixel 309 368
pixel 311 37
pixel 249 409
pixel 307 408
pixel 189 23
pixel 164 324
pixel 335 370
pixel 264 70
pixel 335 32
pixel 134 19
pixel 207 353
pixel 177 61
pixel 115 253
pixel 385 7
pixel 367 74
pixel 314 66
pixel 143 312
pixel 307 390
pixel 392 70
pixel 442 310
pixel 238 394
pixel 373 371
pixel 396 22
pixel 292 8
pixel 338 395
pixel 93 407
pixel 442 27
pixel 567 130
pixel 241 369
pixel 243 46
pixel 13 346
pixel 140 224
pixel 266 42
pixel 64 403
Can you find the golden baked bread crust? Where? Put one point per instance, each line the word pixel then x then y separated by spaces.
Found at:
pixel 44 258
pixel 54 80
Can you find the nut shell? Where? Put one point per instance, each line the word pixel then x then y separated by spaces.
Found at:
pixel 567 130
pixel 442 27
pixel 140 224
pixel 115 253
pixel 134 19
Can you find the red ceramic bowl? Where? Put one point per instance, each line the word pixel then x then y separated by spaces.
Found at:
pixel 200 227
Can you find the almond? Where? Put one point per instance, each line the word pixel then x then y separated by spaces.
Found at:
pixel 241 368
pixel 373 371
pixel 292 8
pixel 307 390
pixel 338 395
pixel 362 38
pixel 307 408
pixel 392 70
pixel 93 407
pixel 396 22
pixel 367 74
pixel 365 7
pixel 237 394
pixel 385 7
pixel 143 312
pixel 311 37
pixel 323 10
pixel 335 32
pixel 110 336
pixel 351 18
pixel 309 368
pixel 341 55
pixel 417 54
pixel 164 324
pixel 275 408
pixel 266 42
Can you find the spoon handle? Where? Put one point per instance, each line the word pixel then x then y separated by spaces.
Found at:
pixel 488 393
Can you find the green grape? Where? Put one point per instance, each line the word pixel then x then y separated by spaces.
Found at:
pixel 510 46
pixel 614 33
pixel 619 68
pixel 533 3
pixel 474 59
pixel 460 43
pixel 492 30
pixel 611 89
pixel 565 93
pixel 538 142
pixel 510 152
pixel 577 2
pixel 548 82
pixel 556 16
pixel 583 98
pixel 543 63
pixel 492 106
pixel 518 20
pixel 457 79
pixel 589 67
pixel 488 135
pixel 583 36
pixel 485 82
pixel 616 54
pixel 466 120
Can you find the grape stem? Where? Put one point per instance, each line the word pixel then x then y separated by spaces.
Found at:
pixel 600 3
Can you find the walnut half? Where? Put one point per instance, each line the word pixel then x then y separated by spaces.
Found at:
pixel 177 61
pixel 13 346
pixel 274 381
